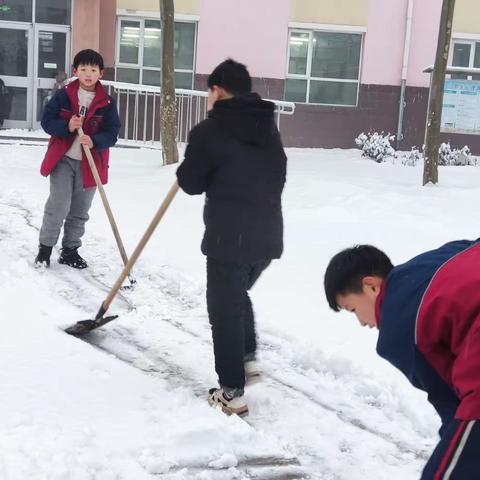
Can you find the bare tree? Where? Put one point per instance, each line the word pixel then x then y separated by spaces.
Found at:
pixel 168 117
pixel 432 141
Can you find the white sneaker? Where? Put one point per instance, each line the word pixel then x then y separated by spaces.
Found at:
pixel 229 405
pixel 253 374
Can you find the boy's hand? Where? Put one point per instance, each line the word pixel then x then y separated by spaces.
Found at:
pixel 74 123
pixel 86 140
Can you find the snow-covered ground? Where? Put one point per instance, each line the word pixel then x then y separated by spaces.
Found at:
pixel 129 402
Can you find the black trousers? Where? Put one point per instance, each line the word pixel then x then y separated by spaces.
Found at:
pixel 231 316
pixel 457 455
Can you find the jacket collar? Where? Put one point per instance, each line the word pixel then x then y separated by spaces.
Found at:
pixel 100 100
pixel 379 301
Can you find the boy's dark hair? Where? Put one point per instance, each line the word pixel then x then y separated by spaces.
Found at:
pixel 88 57
pixel 347 268
pixel 232 77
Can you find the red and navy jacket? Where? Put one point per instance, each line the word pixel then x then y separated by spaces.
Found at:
pixel 428 313
pixel 101 124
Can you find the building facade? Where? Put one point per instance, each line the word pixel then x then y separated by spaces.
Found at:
pixel 346 63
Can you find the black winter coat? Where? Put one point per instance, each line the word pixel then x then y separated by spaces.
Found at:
pixel 236 157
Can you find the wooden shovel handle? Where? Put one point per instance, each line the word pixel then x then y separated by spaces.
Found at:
pixel 138 250
pixel 103 196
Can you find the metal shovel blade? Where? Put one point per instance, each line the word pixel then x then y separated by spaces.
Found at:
pixel 85 326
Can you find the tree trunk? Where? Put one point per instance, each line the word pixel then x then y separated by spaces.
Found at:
pixel 168 117
pixel 432 141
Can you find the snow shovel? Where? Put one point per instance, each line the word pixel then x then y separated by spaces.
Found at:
pixel 85 326
pixel 96 176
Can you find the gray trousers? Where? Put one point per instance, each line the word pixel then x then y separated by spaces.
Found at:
pixel 68 202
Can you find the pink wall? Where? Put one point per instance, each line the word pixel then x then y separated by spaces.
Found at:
pixel 384 41
pixel 426 21
pixel 86 25
pixel 251 31
pixel 108 17
pixel 94 25
pixel 383 48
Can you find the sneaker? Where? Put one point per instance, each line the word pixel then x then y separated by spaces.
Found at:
pixel 70 257
pixel 252 373
pixel 43 256
pixel 228 402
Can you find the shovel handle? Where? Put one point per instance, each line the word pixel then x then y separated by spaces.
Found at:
pixel 138 250
pixel 103 196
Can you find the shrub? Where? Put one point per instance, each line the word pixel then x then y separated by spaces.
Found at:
pixel 376 145
pixel 446 156
pixel 449 156
pixel 413 157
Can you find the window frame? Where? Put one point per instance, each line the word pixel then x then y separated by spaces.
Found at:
pixel 141 45
pixel 473 41
pixel 308 77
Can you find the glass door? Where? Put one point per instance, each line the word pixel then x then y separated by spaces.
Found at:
pixel 51 66
pixel 16 48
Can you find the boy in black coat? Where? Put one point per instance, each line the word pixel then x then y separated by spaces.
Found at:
pixel 236 157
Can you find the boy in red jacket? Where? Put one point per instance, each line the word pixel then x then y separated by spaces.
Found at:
pixel 72 185
pixel 427 312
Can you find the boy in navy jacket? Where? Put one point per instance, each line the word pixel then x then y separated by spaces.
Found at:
pixel 428 315
pixel 72 185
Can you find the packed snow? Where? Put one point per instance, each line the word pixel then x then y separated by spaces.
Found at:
pixel 129 401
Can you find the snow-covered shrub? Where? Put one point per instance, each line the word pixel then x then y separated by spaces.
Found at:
pixel 376 145
pixel 446 156
pixel 449 156
pixel 413 157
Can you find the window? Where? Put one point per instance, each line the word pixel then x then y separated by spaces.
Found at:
pixel 16 10
pixel 466 54
pixel 53 11
pixel 323 67
pixel 46 11
pixel 139 51
pixel 13 52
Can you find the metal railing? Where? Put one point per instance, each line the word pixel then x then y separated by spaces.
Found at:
pixel 139 110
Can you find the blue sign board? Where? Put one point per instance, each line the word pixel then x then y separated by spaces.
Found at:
pixel 461 107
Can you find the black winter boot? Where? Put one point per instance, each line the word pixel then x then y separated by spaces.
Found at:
pixel 70 257
pixel 43 256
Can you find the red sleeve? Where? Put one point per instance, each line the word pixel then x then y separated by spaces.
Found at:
pixel 466 374
pixel 448 328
